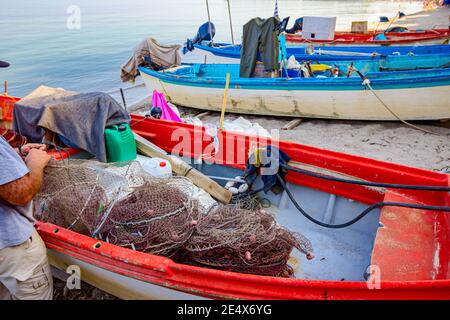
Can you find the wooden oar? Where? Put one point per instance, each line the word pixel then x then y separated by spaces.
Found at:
pixel 183 169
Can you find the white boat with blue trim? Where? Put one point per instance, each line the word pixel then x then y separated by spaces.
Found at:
pixel 414 88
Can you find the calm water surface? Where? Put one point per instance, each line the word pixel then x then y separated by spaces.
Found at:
pixel 35 39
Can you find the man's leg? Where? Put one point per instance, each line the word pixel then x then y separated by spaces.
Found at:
pixel 4 293
pixel 28 264
pixel 39 286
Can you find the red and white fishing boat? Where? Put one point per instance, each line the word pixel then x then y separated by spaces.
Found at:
pixel 410 38
pixel 408 250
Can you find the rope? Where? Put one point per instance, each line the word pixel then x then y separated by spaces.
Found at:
pixel 209 22
pixel 366 82
pixel 392 21
pixel 126 89
pixel 395 115
pixel 231 23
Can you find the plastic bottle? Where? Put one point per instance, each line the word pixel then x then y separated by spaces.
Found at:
pixel 156 167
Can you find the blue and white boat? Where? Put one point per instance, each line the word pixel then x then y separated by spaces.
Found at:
pixel 231 53
pixel 414 88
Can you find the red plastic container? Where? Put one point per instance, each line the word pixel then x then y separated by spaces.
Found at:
pixel 6 107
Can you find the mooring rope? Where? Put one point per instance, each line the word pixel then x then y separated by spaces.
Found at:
pixel 366 83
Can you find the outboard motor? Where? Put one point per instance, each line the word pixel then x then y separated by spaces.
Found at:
pixel 206 32
pixel 298 26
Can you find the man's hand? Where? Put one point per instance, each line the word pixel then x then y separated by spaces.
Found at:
pixel 26 148
pixel 37 159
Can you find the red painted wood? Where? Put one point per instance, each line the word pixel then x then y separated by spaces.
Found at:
pixel 407 246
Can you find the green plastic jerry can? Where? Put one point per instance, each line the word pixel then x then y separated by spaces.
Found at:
pixel 120 143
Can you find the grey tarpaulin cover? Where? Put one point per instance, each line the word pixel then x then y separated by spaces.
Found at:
pixel 79 117
pixel 164 55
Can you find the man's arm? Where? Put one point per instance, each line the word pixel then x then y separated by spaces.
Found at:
pixel 22 191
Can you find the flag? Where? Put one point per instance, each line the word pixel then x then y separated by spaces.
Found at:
pixel 275 13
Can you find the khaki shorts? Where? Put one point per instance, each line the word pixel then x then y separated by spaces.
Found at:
pixel 24 271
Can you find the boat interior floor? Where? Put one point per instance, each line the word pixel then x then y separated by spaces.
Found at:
pixel 340 254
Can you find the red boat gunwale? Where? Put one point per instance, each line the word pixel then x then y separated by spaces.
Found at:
pixel 352 165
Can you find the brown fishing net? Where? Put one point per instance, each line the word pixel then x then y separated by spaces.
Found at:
pixel 123 205
pixel 119 203
pixel 245 241
pixel 155 218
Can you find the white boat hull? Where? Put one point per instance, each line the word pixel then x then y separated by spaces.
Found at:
pixel 424 103
pixel 119 285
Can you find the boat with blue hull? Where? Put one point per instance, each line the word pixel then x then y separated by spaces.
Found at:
pixel 322 95
pixel 233 52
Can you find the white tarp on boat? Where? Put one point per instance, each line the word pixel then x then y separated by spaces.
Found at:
pixel 165 56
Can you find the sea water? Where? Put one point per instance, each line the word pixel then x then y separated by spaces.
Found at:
pixel 81 44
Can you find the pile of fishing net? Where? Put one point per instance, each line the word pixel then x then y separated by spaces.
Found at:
pixel 124 205
pixel 246 241
pixel 120 204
